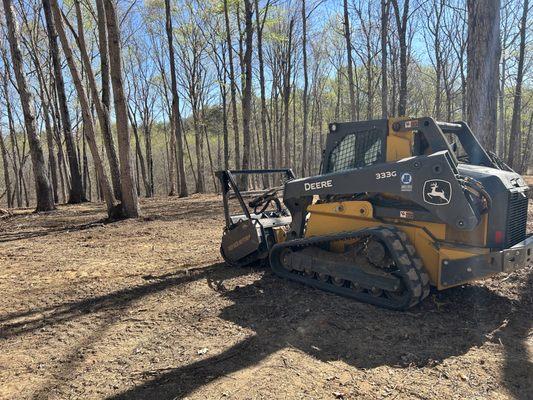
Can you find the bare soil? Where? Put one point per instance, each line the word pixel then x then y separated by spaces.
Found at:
pixel 146 309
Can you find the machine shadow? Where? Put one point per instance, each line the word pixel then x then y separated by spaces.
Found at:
pixel 330 328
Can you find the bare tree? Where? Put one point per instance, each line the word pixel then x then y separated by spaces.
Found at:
pixel 31 42
pixel 102 109
pixel 218 45
pixel 247 102
pixel 367 52
pixel 348 38
pixel 143 99
pixel 16 163
pixel 5 164
pixel 434 12
pixel 105 122
pixel 509 21
pixel 401 26
pixel 305 102
pixel 247 89
pixel 233 87
pixel 385 11
pixel 483 53
pixel 260 26
pixel 176 135
pixel 192 56
pixel 88 123
pixel 43 189
pixel 514 159
pixel 455 29
pixel 287 86
pixel 76 194
pixel 130 203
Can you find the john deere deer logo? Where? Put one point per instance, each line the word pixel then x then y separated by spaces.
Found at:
pixel 437 192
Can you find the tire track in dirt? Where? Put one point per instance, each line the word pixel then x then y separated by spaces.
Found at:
pixel 111 312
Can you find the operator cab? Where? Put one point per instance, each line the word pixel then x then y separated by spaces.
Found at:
pixel 486 179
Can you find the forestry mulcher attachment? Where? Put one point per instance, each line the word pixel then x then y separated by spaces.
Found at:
pixel 401 204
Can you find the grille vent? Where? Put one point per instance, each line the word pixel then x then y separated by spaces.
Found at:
pixel 516 218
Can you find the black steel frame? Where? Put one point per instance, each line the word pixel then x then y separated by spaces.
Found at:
pixel 228 182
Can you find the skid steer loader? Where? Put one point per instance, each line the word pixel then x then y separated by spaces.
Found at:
pixel 400 205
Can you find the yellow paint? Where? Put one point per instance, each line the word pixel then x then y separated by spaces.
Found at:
pixel 280 234
pixel 476 237
pixel 342 216
pixel 398 148
pixel 399 144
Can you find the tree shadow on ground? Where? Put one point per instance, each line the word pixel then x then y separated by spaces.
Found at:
pixel 202 212
pixel 22 235
pixel 111 307
pixel 14 324
pixel 329 327
pixel 518 369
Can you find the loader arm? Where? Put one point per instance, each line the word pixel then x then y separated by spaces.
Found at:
pixel 433 183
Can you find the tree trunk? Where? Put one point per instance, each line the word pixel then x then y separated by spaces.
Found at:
pixel 306 88
pixel 5 164
pixel 439 10
pixel 247 90
pixel 139 157
pixel 224 94
pixel 52 164
pixel 149 158
pixel 369 68
pixel 18 162
pixel 259 27
pixel 385 9
pixel 130 202
pixel 233 88
pixel 209 154
pixel 401 22
pixel 88 122
pixel 199 148
pixel 33 50
pixel 45 97
pixel 105 122
pixel 85 166
pixel 172 159
pixel 57 139
pixel 514 159
pixel 287 75
pixel 526 159
pixel 12 136
pixel 76 194
pixel 501 111
pixel 483 55
pixel 348 38
pixel 45 199
pixel 177 134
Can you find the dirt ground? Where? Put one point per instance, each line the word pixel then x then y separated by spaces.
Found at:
pixel 145 309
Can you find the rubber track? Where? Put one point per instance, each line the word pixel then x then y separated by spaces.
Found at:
pixel 417 262
pixel 410 268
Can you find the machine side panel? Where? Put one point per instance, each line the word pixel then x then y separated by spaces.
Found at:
pixel 429 181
